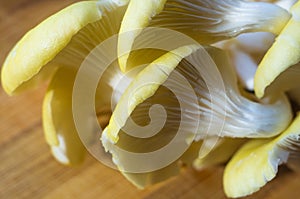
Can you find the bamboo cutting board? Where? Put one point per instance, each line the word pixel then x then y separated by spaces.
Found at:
pixel 27 169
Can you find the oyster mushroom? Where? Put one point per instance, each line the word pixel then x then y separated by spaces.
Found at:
pixel 257 161
pixel 204 20
pixel 55 50
pixel 207 114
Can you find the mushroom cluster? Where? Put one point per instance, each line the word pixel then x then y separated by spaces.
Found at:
pixel 172 83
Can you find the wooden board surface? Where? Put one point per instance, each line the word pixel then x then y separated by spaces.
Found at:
pixel 27 169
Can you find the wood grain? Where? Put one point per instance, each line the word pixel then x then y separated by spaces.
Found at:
pixel 27 169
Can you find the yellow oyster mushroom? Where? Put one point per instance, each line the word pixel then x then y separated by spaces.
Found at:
pixel 41 44
pixel 257 161
pixel 205 20
pixel 146 141
pixel 283 54
pixel 265 116
pixel 59 125
pixel 138 154
pixel 55 49
pixel 248 49
pixel 172 59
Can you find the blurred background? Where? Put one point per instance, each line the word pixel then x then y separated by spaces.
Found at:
pixel 27 169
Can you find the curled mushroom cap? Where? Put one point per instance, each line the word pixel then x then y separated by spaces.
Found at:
pixel 206 21
pixel 31 59
pixel 283 54
pixel 257 161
